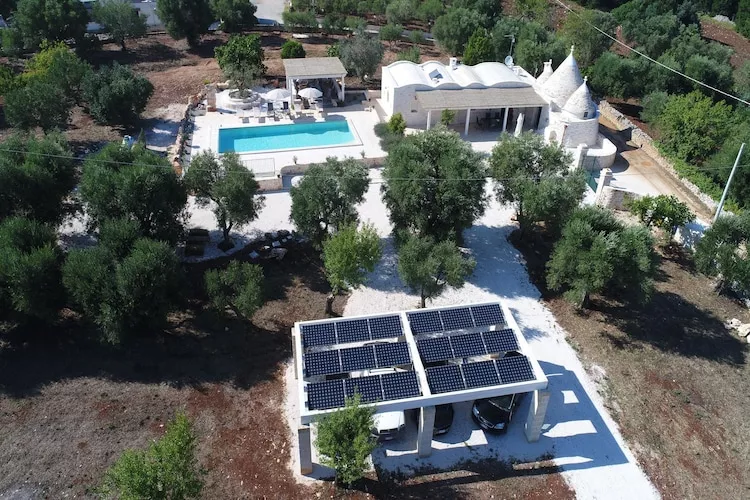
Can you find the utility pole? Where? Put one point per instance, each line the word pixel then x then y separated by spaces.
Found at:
pixel 729 181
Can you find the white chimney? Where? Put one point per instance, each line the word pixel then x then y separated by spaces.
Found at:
pixel 453 62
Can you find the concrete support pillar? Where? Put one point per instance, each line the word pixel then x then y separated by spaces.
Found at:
pixel 605 178
pixel 305 450
pixel 342 96
pixel 519 125
pixel 537 412
pixel 426 425
pixel 429 118
pixel 211 98
pixel 468 120
pixel 505 118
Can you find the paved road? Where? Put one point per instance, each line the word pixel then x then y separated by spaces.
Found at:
pixel 636 171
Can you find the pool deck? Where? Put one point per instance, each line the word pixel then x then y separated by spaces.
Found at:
pixel 268 163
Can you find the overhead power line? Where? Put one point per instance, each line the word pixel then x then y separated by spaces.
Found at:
pixel 646 56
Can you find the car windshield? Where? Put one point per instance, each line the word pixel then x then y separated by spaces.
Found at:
pixel 502 402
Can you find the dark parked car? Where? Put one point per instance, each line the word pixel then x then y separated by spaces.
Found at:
pixel 443 418
pixel 494 414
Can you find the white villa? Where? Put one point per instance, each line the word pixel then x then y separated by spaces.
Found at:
pixel 493 95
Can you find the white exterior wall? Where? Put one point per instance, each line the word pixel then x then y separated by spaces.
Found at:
pixel 581 132
pixel 386 92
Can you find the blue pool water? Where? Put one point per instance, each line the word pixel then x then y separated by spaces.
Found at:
pixel 296 135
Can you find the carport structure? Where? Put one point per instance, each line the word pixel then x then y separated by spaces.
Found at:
pixel 414 359
pixel 315 68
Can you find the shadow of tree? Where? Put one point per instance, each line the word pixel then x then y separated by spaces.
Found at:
pixel 673 324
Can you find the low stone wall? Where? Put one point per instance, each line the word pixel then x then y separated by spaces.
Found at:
pixel 646 143
pixel 184 132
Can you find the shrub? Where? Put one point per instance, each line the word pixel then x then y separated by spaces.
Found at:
pixel 57 65
pixel 722 253
pixel 349 255
pixel 663 211
pixel 397 124
pixel 167 469
pixel 412 54
pixel 292 50
pixel 416 37
pixel 239 287
pixel 116 95
pixel 447 116
pixel 391 33
pixel 479 48
pixel 653 106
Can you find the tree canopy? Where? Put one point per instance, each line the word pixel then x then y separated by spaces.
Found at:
pixel 116 94
pixel 37 104
pixel 239 287
pixel 349 255
pixel 133 183
pixel 292 49
pixel 227 184
pixel 120 19
pixel 235 15
pixel 589 43
pixel 479 48
pixel 536 178
pixel 427 267
pixel 361 55
pixel 325 200
pixel 453 29
pixel 187 19
pixel 36 176
pixel 722 253
pixel 434 184
pixel 29 269
pixel 598 254
pixel 167 469
pixel 126 284
pixel 344 441
pixel 53 20
pixel 241 60
pixel 663 211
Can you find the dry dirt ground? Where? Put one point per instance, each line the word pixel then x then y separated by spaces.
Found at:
pixel 69 406
pixel 675 377
pixel 726 36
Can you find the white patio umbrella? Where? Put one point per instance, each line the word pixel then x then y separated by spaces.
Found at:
pixel 310 93
pixel 277 95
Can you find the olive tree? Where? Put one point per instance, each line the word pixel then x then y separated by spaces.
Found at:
pixel 53 20
pixel 326 198
pixel 348 256
pixel 361 55
pixel 133 183
pixel 30 261
pixel 536 178
pixel 167 469
pixel 598 254
pixel 663 211
pixel 116 94
pixel 239 287
pixel 434 184
pixel 228 186
pixel 427 267
pixel 235 15
pixel 126 284
pixel 187 19
pixel 344 441
pixel 722 253
pixel 120 19
pixel 241 60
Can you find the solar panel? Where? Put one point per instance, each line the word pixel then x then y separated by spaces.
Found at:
pixel 514 369
pixel 425 322
pixel 322 363
pixel 501 340
pixel 318 334
pixel 446 378
pixel 456 319
pixel 467 345
pixel 385 327
pixel 369 388
pixel 357 358
pixel 352 331
pixel 487 315
pixel 435 349
pixel 481 374
pixel 392 354
pixel 325 395
pixel 400 385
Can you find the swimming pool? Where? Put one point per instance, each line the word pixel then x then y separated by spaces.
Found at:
pixel 289 136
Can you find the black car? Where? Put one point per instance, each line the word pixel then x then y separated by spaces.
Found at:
pixel 443 418
pixel 494 414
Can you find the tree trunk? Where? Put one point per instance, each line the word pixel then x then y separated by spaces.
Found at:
pixel 329 303
pixel 122 45
pixel 424 301
pixel 584 300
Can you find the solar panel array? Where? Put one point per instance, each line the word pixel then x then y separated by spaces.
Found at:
pixel 382 355
pixel 333 393
pixel 452 378
pixel 455 319
pixel 353 330
pixel 466 345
